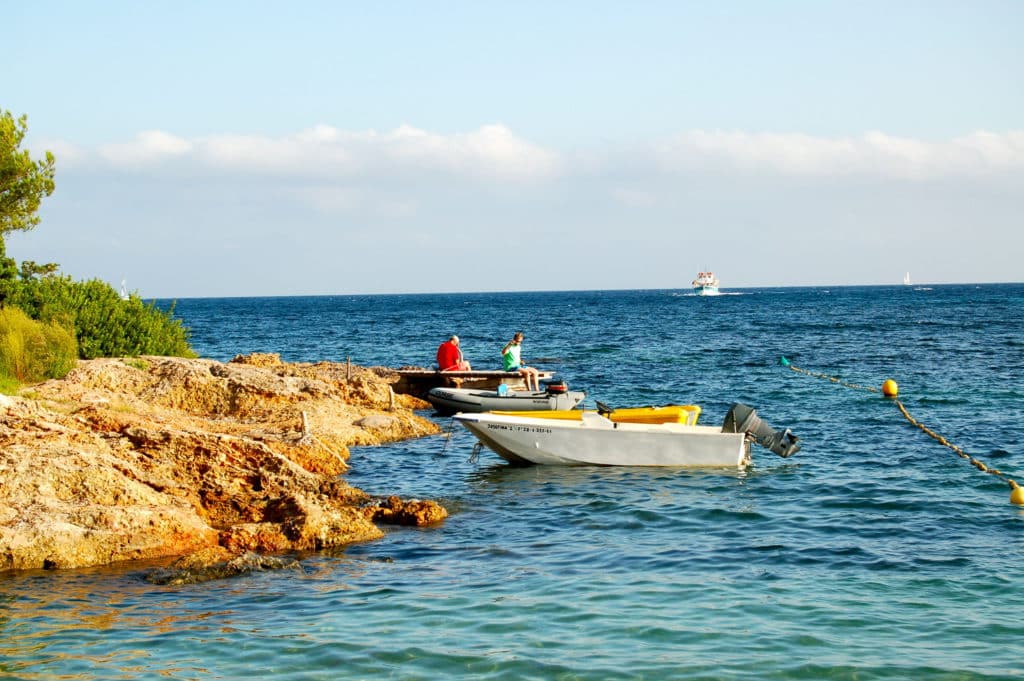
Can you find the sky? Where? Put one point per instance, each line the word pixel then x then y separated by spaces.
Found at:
pixel 255 148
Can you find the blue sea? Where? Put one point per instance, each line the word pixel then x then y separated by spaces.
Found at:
pixel 874 553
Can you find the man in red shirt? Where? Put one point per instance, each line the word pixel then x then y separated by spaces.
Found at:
pixel 449 356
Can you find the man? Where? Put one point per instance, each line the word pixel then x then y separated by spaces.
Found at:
pixel 449 356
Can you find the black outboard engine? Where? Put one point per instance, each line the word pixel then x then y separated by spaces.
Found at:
pixel 557 388
pixel 743 419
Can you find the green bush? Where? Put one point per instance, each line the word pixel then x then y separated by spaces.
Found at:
pixel 103 323
pixel 8 385
pixel 32 351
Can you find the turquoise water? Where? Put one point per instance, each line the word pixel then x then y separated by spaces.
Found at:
pixel 874 553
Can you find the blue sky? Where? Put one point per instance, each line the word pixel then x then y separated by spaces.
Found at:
pixel 252 148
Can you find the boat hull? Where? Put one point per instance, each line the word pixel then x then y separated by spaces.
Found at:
pixel 705 290
pixel 449 401
pixel 596 441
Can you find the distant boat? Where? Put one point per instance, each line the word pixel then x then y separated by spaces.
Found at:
pixel 906 279
pixel 124 290
pixel 705 284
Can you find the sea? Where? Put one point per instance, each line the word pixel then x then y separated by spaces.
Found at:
pixel 876 552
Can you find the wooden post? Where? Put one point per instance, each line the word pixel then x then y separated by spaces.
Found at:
pixel 348 375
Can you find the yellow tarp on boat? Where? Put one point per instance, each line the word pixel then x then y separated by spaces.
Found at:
pixel 673 413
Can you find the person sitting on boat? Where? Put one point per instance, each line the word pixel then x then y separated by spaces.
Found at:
pixel 449 356
pixel 512 359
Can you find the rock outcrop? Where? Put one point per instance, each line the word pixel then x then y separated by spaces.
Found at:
pixel 150 457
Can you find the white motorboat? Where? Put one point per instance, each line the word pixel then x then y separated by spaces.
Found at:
pixel 555 397
pixel 706 284
pixel 602 438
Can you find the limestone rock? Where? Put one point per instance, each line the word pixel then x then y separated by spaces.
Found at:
pixel 412 512
pixel 258 359
pixel 159 456
pixel 192 571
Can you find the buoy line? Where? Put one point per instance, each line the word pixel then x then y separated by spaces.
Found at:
pixel 890 390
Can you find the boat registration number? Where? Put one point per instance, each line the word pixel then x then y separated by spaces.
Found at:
pixel 518 429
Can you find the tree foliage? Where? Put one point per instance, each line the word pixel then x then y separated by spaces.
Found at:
pixel 104 324
pixel 23 182
pixel 32 351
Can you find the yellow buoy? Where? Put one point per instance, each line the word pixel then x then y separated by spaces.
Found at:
pixel 889 388
pixel 1017 495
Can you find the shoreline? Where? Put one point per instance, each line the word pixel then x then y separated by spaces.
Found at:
pixel 129 459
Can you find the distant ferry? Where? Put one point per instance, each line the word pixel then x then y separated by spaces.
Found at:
pixel 705 284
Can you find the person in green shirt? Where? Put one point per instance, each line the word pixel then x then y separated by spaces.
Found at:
pixel 512 360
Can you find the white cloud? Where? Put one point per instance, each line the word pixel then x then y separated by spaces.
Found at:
pixel 151 146
pixel 66 153
pixel 993 151
pixel 872 154
pixel 510 156
pixel 491 152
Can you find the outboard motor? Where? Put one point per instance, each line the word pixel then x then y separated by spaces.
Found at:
pixel 557 388
pixel 743 419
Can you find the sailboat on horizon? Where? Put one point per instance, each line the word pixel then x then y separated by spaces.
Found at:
pixel 906 279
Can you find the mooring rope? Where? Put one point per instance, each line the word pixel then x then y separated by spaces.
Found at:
pixel 786 363
pixel 447 437
pixel 890 390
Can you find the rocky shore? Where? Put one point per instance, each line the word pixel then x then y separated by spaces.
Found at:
pixel 217 464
